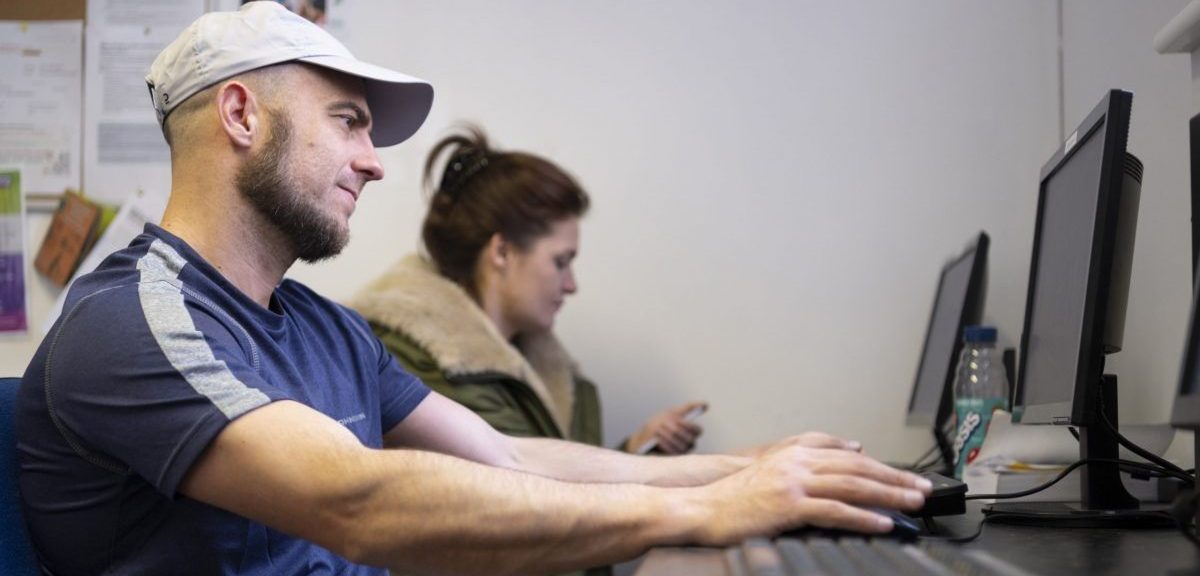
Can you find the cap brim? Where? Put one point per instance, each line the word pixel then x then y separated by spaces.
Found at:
pixel 399 103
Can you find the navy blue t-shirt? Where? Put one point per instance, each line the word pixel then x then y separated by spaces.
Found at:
pixel 154 354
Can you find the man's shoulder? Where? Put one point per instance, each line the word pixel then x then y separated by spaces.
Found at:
pixel 121 276
pixel 138 288
pixel 123 269
pixel 109 292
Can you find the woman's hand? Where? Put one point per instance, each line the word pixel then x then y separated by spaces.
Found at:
pixel 672 430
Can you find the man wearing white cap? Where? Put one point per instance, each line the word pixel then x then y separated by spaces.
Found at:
pixel 192 412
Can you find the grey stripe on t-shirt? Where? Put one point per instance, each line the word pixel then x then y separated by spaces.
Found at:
pixel 177 337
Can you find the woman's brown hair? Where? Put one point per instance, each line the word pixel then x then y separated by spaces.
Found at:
pixel 483 191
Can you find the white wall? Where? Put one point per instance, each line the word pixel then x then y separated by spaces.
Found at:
pixel 776 185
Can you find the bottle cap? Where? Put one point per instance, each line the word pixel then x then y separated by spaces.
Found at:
pixel 983 334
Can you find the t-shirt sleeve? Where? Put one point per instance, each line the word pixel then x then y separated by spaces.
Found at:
pixel 399 392
pixel 140 378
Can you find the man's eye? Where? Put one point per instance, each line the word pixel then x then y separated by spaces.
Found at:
pixel 350 121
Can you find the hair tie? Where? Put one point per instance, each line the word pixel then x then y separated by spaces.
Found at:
pixel 462 168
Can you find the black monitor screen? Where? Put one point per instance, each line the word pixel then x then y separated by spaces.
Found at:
pixel 937 360
pixel 1190 384
pixel 1058 299
pixel 1186 413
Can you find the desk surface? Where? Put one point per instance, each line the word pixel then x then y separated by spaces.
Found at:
pixel 1048 551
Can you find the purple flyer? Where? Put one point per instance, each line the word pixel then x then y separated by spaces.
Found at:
pixel 12 293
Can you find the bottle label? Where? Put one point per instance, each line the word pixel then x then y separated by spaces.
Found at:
pixel 973 416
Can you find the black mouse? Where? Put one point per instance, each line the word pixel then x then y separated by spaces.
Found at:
pixel 904 528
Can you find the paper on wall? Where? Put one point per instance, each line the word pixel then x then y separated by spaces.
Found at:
pixel 41 91
pixel 124 147
pixel 14 313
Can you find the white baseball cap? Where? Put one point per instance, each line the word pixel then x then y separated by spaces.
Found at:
pixel 220 45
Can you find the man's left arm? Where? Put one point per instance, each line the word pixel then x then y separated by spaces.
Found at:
pixel 584 463
pixel 442 425
pixel 577 462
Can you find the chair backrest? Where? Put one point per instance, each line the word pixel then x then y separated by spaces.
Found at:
pixel 16 551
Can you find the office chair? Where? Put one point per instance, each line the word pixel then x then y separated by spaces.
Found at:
pixel 16 551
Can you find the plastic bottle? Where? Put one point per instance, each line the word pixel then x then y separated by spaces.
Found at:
pixel 980 387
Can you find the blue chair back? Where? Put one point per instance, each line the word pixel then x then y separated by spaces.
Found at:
pixel 16 551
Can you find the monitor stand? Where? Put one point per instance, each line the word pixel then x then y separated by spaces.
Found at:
pixel 1104 502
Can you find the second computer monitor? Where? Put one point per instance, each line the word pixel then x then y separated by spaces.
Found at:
pixel 962 288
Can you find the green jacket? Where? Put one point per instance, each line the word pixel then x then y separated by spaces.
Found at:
pixel 530 387
pixel 503 400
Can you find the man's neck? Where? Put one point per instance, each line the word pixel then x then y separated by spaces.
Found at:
pixel 246 250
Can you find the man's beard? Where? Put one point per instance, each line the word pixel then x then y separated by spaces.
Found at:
pixel 264 182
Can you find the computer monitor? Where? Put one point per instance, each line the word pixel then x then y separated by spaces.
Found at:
pixel 958 302
pixel 1186 412
pixel 1194 156
pixel 1075 306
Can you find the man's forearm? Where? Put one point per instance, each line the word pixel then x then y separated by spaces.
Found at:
pixel 433 514
pixel 293 469
pixel 583 463
pixel 299 472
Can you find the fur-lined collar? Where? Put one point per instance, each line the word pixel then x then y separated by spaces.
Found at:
pixel 439 315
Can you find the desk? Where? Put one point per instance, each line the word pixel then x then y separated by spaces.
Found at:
pixel 1047 551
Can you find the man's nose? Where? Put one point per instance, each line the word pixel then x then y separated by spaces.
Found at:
pixel 367 163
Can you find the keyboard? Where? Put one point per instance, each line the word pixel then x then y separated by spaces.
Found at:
pixel 819 556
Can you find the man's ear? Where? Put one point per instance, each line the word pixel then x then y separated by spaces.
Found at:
pixel 240 113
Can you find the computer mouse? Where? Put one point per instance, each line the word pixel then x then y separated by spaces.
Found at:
pixel 904 528
pixel 947 497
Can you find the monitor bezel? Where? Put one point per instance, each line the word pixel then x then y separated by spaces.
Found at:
pixel 1112 113
pixel 1186 411
pixel 972 313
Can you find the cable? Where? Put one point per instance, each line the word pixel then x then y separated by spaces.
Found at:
pixel 1077 464
pixel 1183 509
pixel 1149 456
pixel 934 465
pixel 1074 432
pixel 920 462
